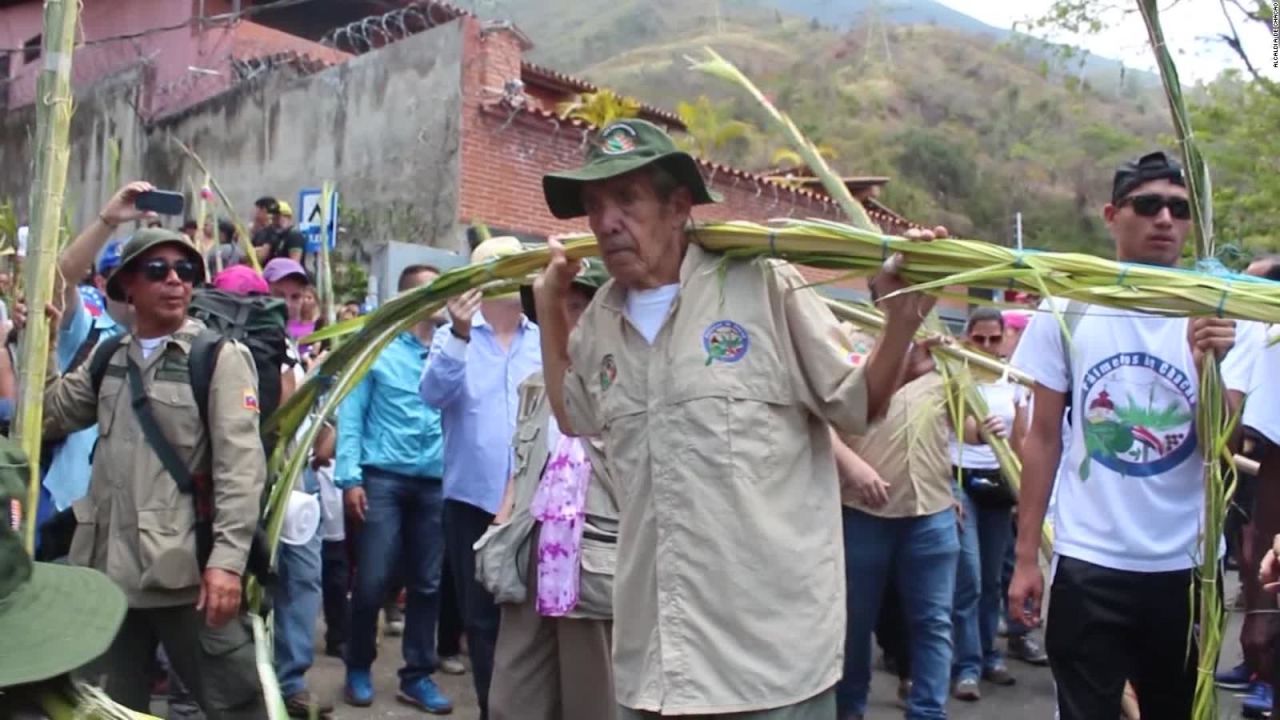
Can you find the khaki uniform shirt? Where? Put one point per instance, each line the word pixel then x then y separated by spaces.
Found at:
pixel 532 453
pixel 134 525
pixel 729 595
pixel 908 447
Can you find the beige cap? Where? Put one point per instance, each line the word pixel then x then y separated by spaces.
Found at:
pixel 496 247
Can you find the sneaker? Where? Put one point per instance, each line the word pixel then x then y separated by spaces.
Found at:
pixel 966 689
pixel 452 666
pixel 1257 703
pixel 359 688
pixel 1027 649
pixel 1237 678
pixel 302 705
pixel 904 690
pixel 998 675
pixel 424 694
pixel 394 618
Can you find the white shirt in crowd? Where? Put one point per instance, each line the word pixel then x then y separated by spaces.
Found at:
pixel 646 309
pixel 1002 398
pixel 1130 492
pixel 149 345
pixel 1260 414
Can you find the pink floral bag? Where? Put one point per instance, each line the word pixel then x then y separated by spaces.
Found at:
pixel 559 505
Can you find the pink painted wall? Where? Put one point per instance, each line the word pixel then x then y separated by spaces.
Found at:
pixel 171 55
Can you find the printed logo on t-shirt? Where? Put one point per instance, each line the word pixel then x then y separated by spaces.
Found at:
pixel 1139 415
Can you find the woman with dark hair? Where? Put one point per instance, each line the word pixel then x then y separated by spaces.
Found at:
pixel 988 500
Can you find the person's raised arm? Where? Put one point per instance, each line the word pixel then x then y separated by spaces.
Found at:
pixel 80 255
pixel 445 376
pixel 891 363
pixel 550 291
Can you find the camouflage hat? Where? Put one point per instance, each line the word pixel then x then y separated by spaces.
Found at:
pixel 62 617
pixel 139 244
pixel 618 149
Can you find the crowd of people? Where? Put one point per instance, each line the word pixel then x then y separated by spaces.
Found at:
pixel 660 483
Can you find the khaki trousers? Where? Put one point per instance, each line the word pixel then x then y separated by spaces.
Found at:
pixel 550 668
pixel 216 665
pixel 819 707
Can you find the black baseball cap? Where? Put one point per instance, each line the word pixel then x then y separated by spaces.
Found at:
pixel 1152 166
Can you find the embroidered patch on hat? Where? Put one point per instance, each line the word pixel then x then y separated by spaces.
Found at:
pixel 618 139
pixel 608 372
pixel 725 341
pixel 251 400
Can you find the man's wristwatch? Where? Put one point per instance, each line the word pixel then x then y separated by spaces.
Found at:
pixel 453 329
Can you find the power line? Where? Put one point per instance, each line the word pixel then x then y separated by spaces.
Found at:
pixel 224 17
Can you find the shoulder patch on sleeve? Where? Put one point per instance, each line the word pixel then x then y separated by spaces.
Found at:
pixel 250 400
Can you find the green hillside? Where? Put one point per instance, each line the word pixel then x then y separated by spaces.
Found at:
pixel 971 130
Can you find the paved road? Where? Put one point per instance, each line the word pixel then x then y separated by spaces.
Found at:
pixel 1030 699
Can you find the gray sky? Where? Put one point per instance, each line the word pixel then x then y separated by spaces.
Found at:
pixel 1189 26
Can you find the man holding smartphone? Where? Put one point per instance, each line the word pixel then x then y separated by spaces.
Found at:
pixel 182 576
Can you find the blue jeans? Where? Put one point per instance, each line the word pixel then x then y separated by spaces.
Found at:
pixel 401 530
pixel 296 605
pixel 984 540
pixel 922 553
pixel 464 524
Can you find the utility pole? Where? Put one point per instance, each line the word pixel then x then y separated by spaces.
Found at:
pixel 1017 229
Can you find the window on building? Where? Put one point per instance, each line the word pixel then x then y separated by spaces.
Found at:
pixel 31 49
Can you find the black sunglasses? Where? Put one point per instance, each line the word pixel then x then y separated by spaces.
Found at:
pixel 157 270
pixel 1150 205
pixel 987 339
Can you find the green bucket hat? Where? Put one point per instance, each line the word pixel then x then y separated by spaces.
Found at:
pixel 140 243
pixel 592 277
pixel 618 149
pixel 61 617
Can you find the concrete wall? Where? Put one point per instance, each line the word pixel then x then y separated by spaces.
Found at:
pixel 103 114
pixel 383 126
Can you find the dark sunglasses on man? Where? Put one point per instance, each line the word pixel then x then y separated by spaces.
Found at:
pixel 157 270
pixel 1150 204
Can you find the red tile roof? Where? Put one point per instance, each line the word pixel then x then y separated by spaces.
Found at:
pixel 543 76
pixel 878 213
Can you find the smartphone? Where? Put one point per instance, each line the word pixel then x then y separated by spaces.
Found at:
pixel 164 202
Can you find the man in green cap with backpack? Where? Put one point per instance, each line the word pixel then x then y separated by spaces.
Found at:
pixel 174 498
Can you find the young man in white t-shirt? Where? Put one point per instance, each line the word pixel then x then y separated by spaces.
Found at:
pixel 1131 498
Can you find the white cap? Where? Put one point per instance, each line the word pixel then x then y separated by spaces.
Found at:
pixel 301 519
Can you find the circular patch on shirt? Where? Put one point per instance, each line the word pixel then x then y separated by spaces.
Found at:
pixel 858 353
pixel 608 372
pixel 725 341
pixel 1138 415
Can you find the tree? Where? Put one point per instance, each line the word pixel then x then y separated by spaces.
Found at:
pixel 711 129
pixel 599 108
pixel 1238 124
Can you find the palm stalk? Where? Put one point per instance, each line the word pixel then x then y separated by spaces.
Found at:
pixel 246 241
pixel 65 699
pixel 1214 423
pixel 326 271
pixel 719 67
pixel 53 120
pixel 271 695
